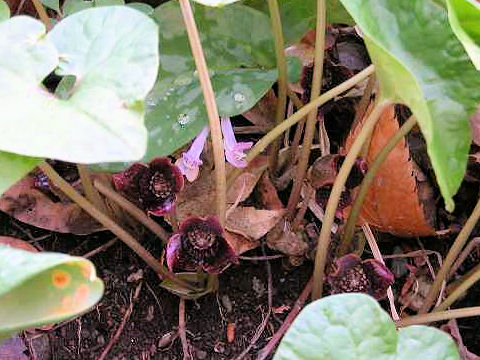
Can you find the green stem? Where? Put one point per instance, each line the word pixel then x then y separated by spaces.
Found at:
pixel 367 181
pixel 439 316
pixel 42 13
pixel 212 110
pixel 312 115
pixel 132 210
pixel 466 283
pixel 260 146
pixel 90 192
pixel 277 30
pixel 338 186
pixel 453 253
pixel 116 229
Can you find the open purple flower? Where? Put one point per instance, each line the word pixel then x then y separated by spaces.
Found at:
pixel 189 163
pixel 234 151
pixel 153 186
pixel 200 242
pixel 351 274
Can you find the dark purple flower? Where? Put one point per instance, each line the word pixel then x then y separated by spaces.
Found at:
pixel 200 242
pixel 351 274
pixel 152 186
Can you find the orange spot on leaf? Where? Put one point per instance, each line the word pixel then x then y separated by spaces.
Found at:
pixel 61 279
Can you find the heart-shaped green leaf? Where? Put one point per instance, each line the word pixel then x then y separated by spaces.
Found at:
pixel 238 46
pixel 14 167
pixel 43 288
pixel 4 11
pixel 299 16
pixel 464 16
pixel 112 52
pixel 354 326
pixel 441 87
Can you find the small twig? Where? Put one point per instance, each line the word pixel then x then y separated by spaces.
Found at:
pixel 332 204
pixel 264 323
pixel 119 331
pixel 261 258
pixel 272 343
pixel 439 316
pixel 372 242
pixel 211 106
pixel 182 330
pixel 132 210
pixel 312 115
pixel 101 248
pixel 158 304
pixel 453 253
pixel 475 242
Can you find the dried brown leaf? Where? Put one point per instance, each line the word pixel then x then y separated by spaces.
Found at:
pixel 240 243
pixel 282 239
pixel 31 206
pixel 399 197
pixel 198 197
pixel 17 243
pixel 269 194
pixel 253 223
pixel 263 113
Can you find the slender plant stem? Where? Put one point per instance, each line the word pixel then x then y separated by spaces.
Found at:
pixel 466 283
pixel 312 115
pixel 212 110
pixel 90 192
pixel 294 147
pixel 453 253
pixel 338 185
pixel 42 13
pixel 182 330
pixel 277 30
pixel 439 316
pixel 132 210
pixel 106 221
pixel 367 181
pixel 362 109
pixel 260 146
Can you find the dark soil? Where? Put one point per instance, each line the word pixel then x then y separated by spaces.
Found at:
pixel 150 331
pixel 242 299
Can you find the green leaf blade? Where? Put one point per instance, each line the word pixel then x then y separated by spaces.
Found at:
pixel 43 288
pixel 114 66
pixel 355 327
pixel 16 167
pixel 464 16
pixel 4 11
pixel 440 87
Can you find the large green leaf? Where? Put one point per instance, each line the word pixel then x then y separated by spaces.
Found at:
pixel 215 3
pixel 52 4
pixel 112 52
pixel 44 288
pixel 238 46
pixel 464 16
pixel 4 11
pixel 299 16
pixel 420 63
pixel 13 168
pixel 355 327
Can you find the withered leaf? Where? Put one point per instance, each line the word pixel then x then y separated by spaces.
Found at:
pixel 31 206
pixel 393 204
pixel 253 223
